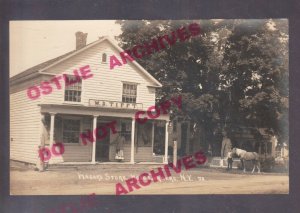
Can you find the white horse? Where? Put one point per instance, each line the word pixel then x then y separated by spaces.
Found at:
pixel 244 155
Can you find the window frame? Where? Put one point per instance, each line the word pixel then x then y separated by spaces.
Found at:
pixel 104 62
pixel 80 130
pixel 65 88
pixel 136 93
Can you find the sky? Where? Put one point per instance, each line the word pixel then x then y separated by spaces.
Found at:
pixel 34 42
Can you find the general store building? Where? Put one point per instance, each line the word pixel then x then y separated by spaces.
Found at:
pixel 62 115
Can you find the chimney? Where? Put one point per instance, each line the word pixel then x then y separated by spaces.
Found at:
pixel 80 40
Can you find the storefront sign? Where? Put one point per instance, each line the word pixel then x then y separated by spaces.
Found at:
pixel 114 104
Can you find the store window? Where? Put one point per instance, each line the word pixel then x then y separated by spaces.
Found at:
pixel 126 131
pixel 71 130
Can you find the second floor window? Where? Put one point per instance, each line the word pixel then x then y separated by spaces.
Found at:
pixel 129 93
pixel 73 91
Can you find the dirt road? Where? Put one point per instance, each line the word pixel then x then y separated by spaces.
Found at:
pixel 103 181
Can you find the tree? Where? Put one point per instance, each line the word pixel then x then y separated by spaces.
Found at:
pixel 187 68
pixel 234 73
pixel 256 75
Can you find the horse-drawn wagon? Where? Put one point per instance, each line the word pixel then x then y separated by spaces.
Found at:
pixel 260 145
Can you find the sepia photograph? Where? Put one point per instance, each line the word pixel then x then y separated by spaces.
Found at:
pixel 149 107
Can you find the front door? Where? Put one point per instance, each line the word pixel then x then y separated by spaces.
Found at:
pixel 102 145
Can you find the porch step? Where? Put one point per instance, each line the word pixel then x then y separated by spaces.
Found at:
pixel 108 166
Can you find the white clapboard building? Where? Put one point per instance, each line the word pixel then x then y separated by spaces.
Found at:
pixel 110 95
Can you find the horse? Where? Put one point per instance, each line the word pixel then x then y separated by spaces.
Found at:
pixel 244 155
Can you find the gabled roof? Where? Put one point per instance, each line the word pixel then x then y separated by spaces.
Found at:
pixel 40 68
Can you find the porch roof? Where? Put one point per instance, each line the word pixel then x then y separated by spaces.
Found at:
pixel 77 109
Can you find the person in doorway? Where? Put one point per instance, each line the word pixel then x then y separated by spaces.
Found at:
pixel 120 140
pixel 229 160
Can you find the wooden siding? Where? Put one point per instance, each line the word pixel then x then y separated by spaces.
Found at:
pixel 143 154
pixel 25 121
pixel 77 152
pixel 106 84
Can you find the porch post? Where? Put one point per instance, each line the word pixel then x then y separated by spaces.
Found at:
pixel 52 128
pixel 132 140
pixel 94 139
pixel 42 141
pixel 166 142
pixel 152 136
